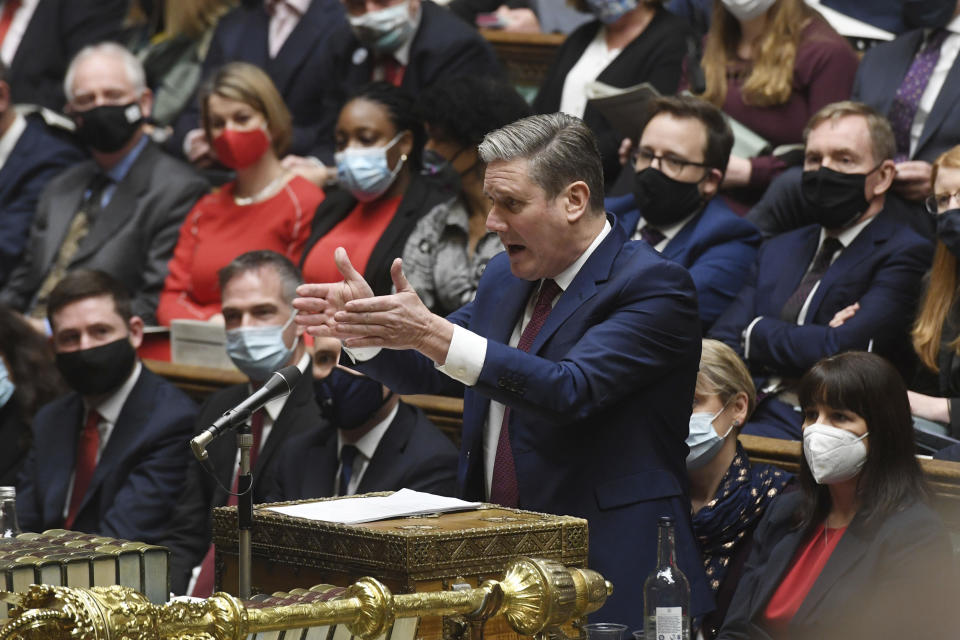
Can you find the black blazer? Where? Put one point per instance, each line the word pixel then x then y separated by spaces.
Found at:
pixel 655 56
pixel 412 454
pixel 423 194
pixel 189 538
pixel 893 580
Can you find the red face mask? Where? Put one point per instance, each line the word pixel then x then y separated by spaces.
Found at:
pixel 240 149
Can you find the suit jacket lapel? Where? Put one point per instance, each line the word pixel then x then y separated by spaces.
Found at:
pixel 63 207
pixel 391 446
pixel 253 45
pixel 848 552
pixel 318 482
pixel 945 103
pixel 678 243
pixel 291 420
pixel 296 49
pixel 58 462
pixel 794 265
pixel 774 570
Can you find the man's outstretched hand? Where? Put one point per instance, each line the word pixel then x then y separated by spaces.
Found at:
pixel 318 303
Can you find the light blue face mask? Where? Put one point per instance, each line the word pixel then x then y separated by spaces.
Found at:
pixel 385 30
pixel 703 439
pixel 259 351
pixel 364 172
pixel 609 11
pixel 6 385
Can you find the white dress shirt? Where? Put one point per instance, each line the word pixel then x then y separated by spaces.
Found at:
pixel 10 137
pixel 668 232
pixel 366 446
pixel 594 59
pixel 18 27
pixel 286 15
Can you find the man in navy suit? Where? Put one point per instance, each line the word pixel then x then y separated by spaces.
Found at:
pixel 30 155
pixel 848 283
pixel 579 356
pixel 680 161
pixel 110 457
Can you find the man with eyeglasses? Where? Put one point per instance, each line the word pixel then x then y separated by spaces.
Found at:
pixel 679 164
pixel 849 282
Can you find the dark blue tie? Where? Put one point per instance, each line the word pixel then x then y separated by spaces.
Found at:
pixel 347 455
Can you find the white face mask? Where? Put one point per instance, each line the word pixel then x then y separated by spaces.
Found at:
pixel 703 439
pixel 746 10
pixel 833 454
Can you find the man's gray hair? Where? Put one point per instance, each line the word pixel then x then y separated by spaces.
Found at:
pixel 290 276
pixel 561 150
pixel 135 72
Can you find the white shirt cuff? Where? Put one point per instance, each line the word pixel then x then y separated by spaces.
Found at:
pixel 465 356
pixel 361 354
pixel 746 337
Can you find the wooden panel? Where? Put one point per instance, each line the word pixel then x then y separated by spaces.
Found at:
pixel 525 56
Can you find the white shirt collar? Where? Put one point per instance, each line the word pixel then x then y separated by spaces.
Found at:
pixel 849 234
pixel 670 230
pixel 275 406
pixel 10 138
pixel 109 409
pixel 367 443
pixel 402 54
pixel 954 25
pixel 565 277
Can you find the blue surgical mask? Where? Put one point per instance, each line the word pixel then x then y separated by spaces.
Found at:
pixel 364 172
pixel 385 30
pixel 6 385
pixel 348 400
pixel 259 351
pixel 609 11
pixel 703 439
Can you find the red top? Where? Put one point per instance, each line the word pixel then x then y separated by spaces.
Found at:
pixel 358 233
pixel 218 229
pixel 796 584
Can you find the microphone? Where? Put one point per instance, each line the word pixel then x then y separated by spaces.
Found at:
pixel 280 384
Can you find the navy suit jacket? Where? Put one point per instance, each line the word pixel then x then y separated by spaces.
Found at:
pixel 600 406
pixel 299 70
pixel 413 454
pixel 879 76
pixel 38 156
pixel 881 269
pixel 894 579
pixel 716 246
pixel 139 477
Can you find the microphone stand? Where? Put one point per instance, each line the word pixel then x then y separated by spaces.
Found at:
pixel 244 509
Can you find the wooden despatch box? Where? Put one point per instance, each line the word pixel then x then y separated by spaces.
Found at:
pixel 424 553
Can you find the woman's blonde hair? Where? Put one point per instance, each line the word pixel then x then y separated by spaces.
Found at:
pixel 771 77
pixel 723 373
pixel 941 291
pixel 250 85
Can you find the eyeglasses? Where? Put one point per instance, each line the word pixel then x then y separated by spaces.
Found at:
pixel 669 164
pixel 940 202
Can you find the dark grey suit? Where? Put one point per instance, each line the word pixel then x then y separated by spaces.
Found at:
pixel 132 239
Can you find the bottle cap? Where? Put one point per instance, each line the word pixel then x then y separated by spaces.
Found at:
pixel 8 493
pixel 665 520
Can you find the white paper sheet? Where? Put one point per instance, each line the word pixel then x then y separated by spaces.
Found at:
pixel 400 504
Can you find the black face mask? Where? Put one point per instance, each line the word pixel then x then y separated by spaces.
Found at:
pixel 662 200
pixel 836 199
pixel 347 400
pixel 98 370
pixel 108 128
pixel 948 230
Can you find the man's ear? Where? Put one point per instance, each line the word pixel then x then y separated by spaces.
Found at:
pixel 885 175
pixel 711 183
pixel 146 103
pixel 135 325
pixel 576 200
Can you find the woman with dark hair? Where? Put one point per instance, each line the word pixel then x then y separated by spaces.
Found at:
pixel 380 193
pixel 449 248
pixel 28 380
pixel 857 552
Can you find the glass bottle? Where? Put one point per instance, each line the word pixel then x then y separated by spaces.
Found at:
pixel 9 527
pixel 666 592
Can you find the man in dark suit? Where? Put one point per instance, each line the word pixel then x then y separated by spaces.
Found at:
pixel 579 355
pixel 31 154
pixel 680 160
pixel 257 289
pixel 850 282
pixel 109 457
pixel 44 35
pixel 294 58
pixel 119 212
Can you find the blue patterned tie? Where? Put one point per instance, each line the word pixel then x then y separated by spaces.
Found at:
pixel 907 100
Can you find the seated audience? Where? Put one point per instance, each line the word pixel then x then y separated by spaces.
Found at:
pixel 411 44
pixel 626 44
pixel 679 164
pixel 857 552
pixel 265 207
pixel 31 154
pixel 936 332
pixel 258 288
pixel 771 65
pixel 109 457
pixel 381 193
pixel 28 380
pixel 849 282
pixel 44 36
pixel 288 40
pixel 373 442
pixel 728 493
pixel 118 212
pixel 449 248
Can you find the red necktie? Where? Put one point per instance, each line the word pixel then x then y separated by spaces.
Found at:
pixel 87 448
pixel 203 587
pixel 6 18
pixel 393 71
pixel 504 489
